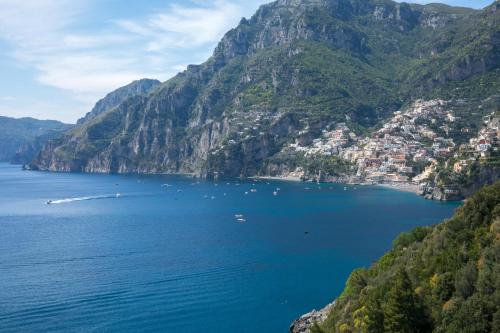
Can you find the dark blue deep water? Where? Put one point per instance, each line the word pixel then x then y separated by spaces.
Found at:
pixel 175 259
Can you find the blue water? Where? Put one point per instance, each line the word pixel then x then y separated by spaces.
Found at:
pixel 175 259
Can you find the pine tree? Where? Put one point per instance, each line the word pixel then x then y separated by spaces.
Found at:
pixel 400 309
pixel 374 315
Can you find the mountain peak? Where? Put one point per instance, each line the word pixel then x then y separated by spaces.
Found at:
pixel 115 98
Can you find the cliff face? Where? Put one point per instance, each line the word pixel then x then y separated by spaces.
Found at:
pixel 285 74
pixel 484 174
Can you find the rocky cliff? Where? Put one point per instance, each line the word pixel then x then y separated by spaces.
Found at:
pixel 291 70
pixel 310 319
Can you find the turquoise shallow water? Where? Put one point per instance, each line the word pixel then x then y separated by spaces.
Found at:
pixel 175 259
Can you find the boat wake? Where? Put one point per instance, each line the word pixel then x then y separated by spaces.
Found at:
pixel 96 197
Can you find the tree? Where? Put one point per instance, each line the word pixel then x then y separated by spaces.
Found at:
pixel 400 310
pixel 374 322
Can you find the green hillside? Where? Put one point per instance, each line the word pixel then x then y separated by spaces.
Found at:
pixel 444 278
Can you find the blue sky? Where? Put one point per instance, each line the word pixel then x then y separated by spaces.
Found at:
pixel 58 57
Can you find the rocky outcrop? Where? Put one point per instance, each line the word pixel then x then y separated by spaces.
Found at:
pixel 305 322
pixel 485 175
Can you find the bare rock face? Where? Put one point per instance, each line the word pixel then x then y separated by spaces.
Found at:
pixel 305 322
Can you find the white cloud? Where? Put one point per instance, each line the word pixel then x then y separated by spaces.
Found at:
pixel 90 65
pixel 184 26
pixel 46 35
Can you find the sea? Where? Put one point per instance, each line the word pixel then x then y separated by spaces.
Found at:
pixel 139 253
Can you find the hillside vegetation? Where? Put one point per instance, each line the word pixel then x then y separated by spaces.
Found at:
pixel 444 278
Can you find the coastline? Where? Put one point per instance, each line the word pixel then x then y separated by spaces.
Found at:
pixel 306 321
pixel 282 178
pixel 403 187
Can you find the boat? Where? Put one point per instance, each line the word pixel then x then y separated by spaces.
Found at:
pixel 275 193
pixel 242 220
pixel 253 190
pixel 48 202
pixel 118 195
pixel 239 216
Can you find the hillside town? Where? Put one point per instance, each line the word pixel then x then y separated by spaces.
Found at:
pixel 408 147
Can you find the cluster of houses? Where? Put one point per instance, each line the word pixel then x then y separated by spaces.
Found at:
pixel 487 140
pixel 330 143
pixel 416 137
pixel 407 139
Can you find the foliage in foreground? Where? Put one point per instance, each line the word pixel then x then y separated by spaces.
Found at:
pixel 444 278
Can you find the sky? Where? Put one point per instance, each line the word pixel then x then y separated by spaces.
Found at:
pixel 58 57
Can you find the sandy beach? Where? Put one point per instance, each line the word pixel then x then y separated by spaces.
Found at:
pixel 284 178
pixel 404 187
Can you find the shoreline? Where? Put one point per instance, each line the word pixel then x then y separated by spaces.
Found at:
pixel 304 323
pixel 284 178
pixel 403 187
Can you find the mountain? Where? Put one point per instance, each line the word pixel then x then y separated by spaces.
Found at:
pixel 115 98
pixel 444 278
pixel 15 133
pixel 294 69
